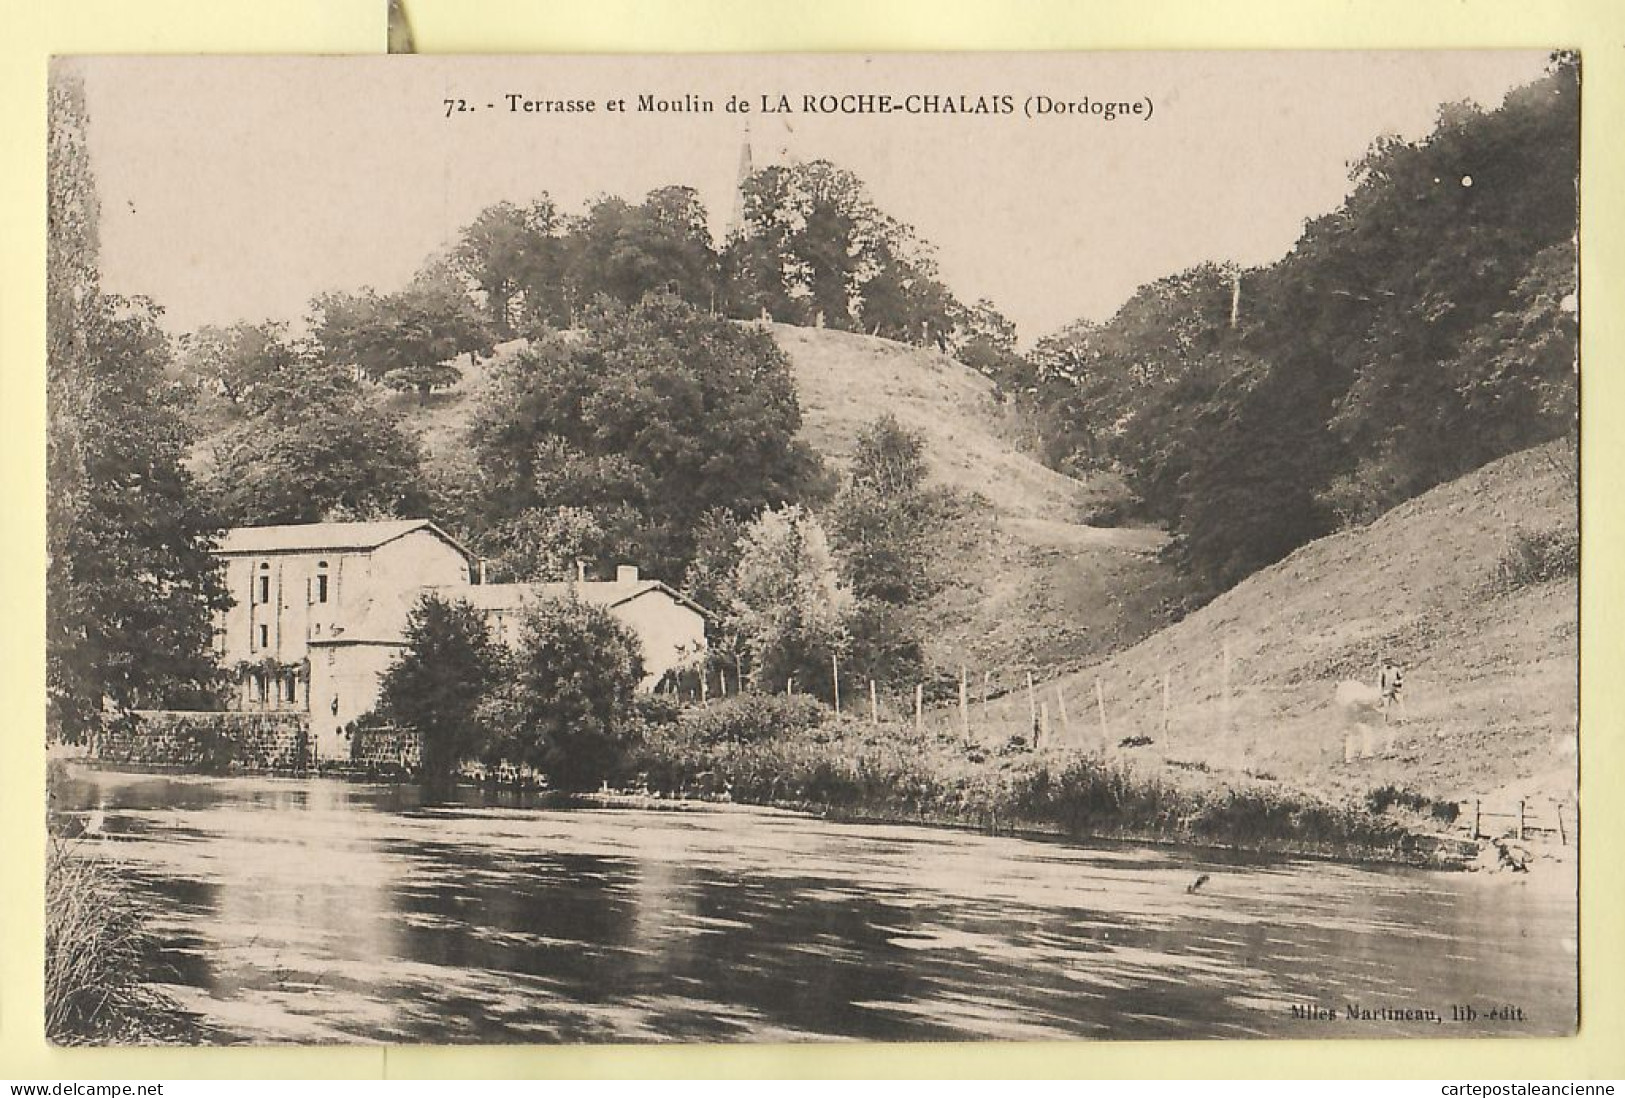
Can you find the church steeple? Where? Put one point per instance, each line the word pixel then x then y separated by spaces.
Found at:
pixel 736 220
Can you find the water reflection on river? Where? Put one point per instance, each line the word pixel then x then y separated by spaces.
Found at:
pixel 321 911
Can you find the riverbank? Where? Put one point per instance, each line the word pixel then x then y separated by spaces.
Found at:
pixel 852 770
pixel 511 918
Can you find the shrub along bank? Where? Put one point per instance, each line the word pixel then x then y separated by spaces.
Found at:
pixel 792 752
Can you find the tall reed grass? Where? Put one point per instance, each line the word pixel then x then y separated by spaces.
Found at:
pixel 893 771
pixel 97 951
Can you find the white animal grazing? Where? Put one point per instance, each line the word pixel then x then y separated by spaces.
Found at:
pixel 1363 706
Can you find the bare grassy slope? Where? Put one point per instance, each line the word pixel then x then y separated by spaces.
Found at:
pixel 1490 687
pixel 846 380
pixel 1026 587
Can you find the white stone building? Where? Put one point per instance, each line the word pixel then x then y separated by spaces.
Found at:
pixel 321 610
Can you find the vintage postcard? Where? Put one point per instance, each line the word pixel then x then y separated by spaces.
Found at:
pixel 805 548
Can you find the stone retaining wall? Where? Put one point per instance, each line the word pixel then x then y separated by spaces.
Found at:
pixel 386 750
pixel 208 742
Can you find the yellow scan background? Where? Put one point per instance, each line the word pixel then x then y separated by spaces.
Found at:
pixel 35 30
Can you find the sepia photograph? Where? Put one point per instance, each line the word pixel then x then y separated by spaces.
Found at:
pixel 800 548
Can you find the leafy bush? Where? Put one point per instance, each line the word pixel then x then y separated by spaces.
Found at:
pixel 1539 557
pixel 438 682
pixel 750 717
pixel 1445 811
pixel 567 709
pixel 658 709
pixel 1381 799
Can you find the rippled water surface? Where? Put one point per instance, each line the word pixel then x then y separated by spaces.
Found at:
pixel 322 911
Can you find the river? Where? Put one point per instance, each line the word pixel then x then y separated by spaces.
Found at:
pixel 320 911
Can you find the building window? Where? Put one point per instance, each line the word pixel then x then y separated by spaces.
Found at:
pixel 265 583
pixel 265 636
pixel 321 582
pixel 291 684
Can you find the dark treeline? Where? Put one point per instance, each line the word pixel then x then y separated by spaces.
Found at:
pixel 812 249
pixel 1427 326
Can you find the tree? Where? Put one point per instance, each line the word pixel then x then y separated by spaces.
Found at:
pixel 567 709
pixel 546 544
pixel 406 340
pixel 889 458
pixel 885 520
pixel 663 245
pixel 131 581
pixel 789 603
pixel 235 360
pixel 313 447
pixel 503 252
pixel 709 581
pixel 1424 327
pixel 814 249
pixel 438 683
pixel 661 407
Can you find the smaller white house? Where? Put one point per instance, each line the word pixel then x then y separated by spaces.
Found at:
pixel 321 612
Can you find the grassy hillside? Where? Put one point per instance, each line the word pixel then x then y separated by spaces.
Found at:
pixel 1027 588
pixel 1490 687
pixel 845 380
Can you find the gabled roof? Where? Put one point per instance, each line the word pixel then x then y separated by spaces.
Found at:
pixel 311 537
pixel 606 593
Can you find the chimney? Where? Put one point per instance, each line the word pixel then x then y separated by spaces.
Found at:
pixel 626 573
pixel 483 580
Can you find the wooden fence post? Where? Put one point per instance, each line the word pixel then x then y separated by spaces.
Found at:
pixel 1562 832
pixel 835 680
pixel 1032 706
pixel 1520 821
pixel 1100 703
pixel 919 707
pixel 874 705
pixel 1478 817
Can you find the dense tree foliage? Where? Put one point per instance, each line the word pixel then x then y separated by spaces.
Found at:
pixel 234 361
pixel 566 706
pixel 505 254
pixel 438 684
pixel 406 340
pixel 543 544
pixel 1423 328
pixel 815 249
pixel 131 584
pixel 663 246
pixel 789 606
pixel 315 447
pixel 883 523
pixel 660 408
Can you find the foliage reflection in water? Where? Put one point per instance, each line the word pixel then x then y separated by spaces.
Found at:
pixel 321 911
